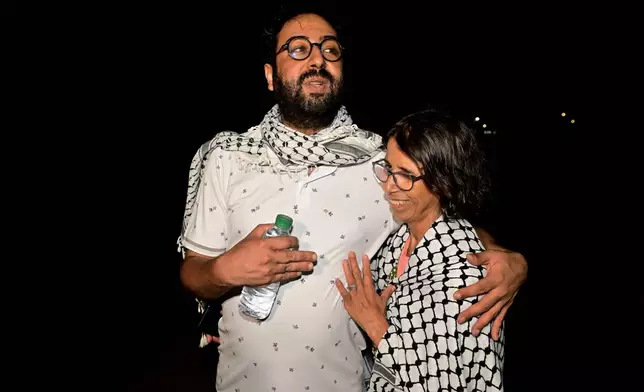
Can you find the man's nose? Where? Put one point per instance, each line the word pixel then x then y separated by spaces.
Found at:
pixel 316 59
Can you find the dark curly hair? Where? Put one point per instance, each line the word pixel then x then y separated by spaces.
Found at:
pixel 453 165
pixel 287 12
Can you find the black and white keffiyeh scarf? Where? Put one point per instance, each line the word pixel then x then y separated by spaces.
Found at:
pixel 340 144
pixel 273 145
pixel 425 349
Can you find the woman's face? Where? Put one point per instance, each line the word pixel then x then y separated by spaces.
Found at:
pixel 418 204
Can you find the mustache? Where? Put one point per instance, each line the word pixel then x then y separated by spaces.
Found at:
pixel 316 72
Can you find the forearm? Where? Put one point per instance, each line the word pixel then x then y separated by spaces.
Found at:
pixel 203 277
pixel 489 242
pixel 486 238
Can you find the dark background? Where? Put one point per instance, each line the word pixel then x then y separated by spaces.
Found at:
pixel 175 74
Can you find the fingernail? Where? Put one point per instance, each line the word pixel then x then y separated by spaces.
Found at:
pixel 460 320
pixel 315 256
pixel 457 296
pixel 475 332
pixel 310 266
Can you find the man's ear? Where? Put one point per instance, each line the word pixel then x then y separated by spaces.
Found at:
pixel 268 73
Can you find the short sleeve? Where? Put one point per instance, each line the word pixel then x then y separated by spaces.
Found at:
pixel 206 226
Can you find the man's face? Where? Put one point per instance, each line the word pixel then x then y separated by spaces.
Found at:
pixel 308 91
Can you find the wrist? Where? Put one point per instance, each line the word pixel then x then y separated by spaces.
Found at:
pixel 498 248
pixel 485 237
pixel 377 330
pixel 216 271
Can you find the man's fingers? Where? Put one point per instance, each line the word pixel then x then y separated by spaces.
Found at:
pixel 486 302
pixel 486 318
pixel 294 256
pixel 474 259
pixel 296 266
pixel 481 287
pixel 286 276
pixel 482 258
pixel 498 321
pixel 259 230
pixel 283 242
pixel 212 338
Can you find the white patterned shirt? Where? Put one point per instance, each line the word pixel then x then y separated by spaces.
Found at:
pixel 309 342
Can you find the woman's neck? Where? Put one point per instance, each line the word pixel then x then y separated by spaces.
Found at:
pixel 418 228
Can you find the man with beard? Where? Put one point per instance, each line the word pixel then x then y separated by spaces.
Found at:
pixel 306 159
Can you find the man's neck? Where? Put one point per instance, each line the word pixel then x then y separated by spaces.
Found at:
pixel 306 123
pixel 306 131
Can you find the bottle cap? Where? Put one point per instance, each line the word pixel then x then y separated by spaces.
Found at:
pixel 284 222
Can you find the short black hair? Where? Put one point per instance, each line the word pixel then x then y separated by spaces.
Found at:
pixel 453 164
pixel 287 12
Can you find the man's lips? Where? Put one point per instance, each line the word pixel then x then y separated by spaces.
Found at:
pixel 316 81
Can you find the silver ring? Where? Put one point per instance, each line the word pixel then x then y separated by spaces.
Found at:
pixel 351 287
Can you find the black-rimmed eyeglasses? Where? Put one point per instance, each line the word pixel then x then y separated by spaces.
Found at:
pixel 300 48
pixel 404 181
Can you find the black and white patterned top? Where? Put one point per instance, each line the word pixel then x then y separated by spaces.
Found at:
pixel 425 349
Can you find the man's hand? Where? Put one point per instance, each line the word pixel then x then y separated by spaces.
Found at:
pixel 257 261
pixel 206 339
pixel 506 272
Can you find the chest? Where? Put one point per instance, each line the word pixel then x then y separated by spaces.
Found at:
pixel 330 207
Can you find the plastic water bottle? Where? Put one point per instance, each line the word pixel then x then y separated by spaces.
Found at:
pixel 257 302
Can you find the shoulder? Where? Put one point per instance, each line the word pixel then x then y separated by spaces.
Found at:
pixel 454 233
pixel 454 226
pixel 223 145
pixel 227 137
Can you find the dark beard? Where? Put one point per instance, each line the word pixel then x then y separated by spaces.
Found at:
pixel 313 112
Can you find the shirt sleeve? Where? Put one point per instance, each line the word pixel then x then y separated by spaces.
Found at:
pixel 205 222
